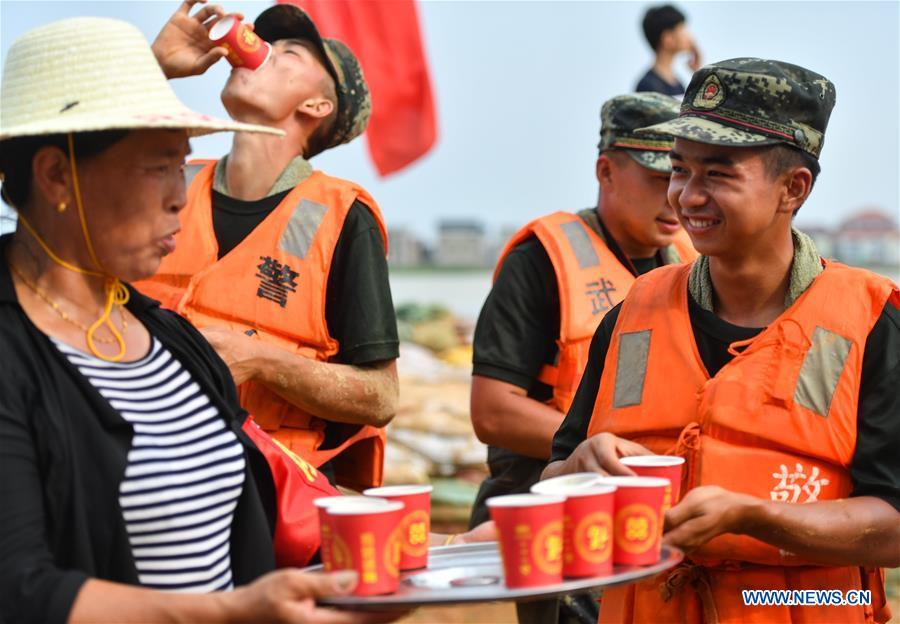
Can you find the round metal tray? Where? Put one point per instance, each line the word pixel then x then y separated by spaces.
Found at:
pixel 474 573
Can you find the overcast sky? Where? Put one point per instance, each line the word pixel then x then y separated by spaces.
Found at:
pixel 519 87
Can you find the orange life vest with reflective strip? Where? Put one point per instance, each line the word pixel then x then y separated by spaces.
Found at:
pixel 777 422
pixel 272 286
pixel 591 280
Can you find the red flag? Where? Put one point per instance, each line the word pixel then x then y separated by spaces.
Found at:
pixel 385 36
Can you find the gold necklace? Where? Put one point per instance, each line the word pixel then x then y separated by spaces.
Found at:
pixel 62 313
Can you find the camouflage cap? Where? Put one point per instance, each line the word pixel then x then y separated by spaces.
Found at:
pixel 746 102
pixel 288 21
pixel 623 114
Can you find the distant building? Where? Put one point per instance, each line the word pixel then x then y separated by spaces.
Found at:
pixel 460 244
pixel 504 236
pixel 870 237
pixel 405 249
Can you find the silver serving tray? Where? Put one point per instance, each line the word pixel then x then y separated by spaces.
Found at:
pixel 474 573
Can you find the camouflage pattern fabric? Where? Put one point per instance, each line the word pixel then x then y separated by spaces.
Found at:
pixel 354 103
pixel 622 115
pixel 746 102
pixel 287 21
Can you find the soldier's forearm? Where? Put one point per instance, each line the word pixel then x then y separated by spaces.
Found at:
pixel 863 531
pixel 335 392
pixel 504 416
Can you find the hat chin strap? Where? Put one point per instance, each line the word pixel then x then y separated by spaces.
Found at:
pixel 116 292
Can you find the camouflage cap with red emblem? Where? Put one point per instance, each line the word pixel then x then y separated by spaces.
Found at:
pixel 748 102
pixel 622 115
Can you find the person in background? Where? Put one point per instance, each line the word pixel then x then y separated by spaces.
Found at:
pixel 555 280
pixel 774 373
pixel 282 267
pixel 665 28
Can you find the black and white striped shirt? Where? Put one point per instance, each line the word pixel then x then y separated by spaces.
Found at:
pixel 184 474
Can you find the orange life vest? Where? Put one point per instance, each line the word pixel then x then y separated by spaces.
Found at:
pixel 272 286
pixel 591 280
pixel 777 422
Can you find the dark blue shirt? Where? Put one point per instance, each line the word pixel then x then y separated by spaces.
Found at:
pixel 654 82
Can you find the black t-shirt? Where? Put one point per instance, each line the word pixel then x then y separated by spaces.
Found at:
pixel 875 467
pixel 359 310
pixel 654 82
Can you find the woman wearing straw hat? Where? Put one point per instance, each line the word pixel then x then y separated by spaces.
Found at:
pixel 123 460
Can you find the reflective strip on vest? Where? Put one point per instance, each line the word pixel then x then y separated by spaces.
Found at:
pixel 581 244
pixel 821 371
pixel 819 376
pixel 631 368
pixel 301 229
pixel 190 172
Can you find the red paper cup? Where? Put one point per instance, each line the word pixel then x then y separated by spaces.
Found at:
pixel 245 48
pixel 364 538
pixel 587 522
pixel 416 524
pixel 325 529
pixel 531 543
pixel 665 466
pixel 637 526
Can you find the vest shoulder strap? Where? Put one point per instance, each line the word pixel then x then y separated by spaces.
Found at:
pixel 560 232
pixel 652 290
pixel 818 305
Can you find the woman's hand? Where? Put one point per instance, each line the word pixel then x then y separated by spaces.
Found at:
pixel 183 47
pixel 290 596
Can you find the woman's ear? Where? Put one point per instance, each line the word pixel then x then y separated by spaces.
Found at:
pixel 51 176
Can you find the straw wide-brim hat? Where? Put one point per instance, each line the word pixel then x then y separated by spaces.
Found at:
pixel 87 73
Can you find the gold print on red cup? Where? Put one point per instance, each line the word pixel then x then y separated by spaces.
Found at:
pixel 593 537
pixel 415 526
pixel 547 548
pixel 369 565
pixel 248 40
pixel 636 528
pixel 523 539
